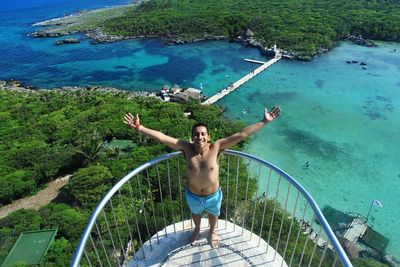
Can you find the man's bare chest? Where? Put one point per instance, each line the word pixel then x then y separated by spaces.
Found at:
pixel 202 163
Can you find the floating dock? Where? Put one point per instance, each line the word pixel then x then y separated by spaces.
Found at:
pixel 243 80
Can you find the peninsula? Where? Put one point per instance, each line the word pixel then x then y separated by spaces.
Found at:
pixel 302 29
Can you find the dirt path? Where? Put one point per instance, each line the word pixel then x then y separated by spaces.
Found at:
pixel 35 202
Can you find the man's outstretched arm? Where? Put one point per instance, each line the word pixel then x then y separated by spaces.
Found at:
pixel 134 123
pixel 232 140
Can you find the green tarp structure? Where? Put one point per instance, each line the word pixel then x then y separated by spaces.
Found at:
pixel 124 145
pixel 375 240
pixel 30 247
pixel 339 221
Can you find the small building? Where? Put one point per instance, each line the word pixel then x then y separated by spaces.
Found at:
pixel 165 97
pixel 179 97
pixel 175 89
pixel 194 93
pixel 355 233
pixel 165 89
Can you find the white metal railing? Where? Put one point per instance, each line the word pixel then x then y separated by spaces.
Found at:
pixel 258 196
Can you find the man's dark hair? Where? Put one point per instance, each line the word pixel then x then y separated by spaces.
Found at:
pixel 198 125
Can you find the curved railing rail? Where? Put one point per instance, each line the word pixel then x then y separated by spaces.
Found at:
pixel 258 196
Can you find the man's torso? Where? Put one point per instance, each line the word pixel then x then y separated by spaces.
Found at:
pixel 202 170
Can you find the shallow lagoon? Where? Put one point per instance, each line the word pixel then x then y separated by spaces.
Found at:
pixel 340 118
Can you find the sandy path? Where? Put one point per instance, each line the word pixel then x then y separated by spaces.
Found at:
pixel 35 202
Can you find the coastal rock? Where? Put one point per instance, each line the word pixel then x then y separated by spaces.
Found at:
pixel 51 33
pixel 177 40
pixel 78 91
pixel 359 40
pixel 13 83
pixel 249 33
pixel 67 41
pixel 16 86
pixel 2 84
pixel 322 50
pixel 43 33
pixel 289 54
pixel 99 37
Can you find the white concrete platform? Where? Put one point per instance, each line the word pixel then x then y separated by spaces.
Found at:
pixel 238 248
pixel 356 230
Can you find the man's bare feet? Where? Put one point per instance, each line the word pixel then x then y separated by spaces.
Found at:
pixel 195 235
pixel 214 240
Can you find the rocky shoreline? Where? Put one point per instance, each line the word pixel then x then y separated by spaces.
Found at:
pixel 72 24
pixel 17 86
pixel 83 22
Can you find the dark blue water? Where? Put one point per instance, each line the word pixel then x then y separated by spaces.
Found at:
pixel 131 65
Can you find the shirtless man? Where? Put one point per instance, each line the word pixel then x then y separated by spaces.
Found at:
pixel 203 192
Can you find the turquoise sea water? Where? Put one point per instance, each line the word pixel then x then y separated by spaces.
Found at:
pixel 340 118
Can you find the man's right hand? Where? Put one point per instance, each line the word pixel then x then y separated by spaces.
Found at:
pixel 132 121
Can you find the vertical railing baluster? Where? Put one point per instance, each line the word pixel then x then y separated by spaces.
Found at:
pixel 102 244
pixel 265 197
pixel 134 214
pixel 152 204
pixel 142 201
pixel 125 217
pixel 291 225
pixel 246 194
pixel 170 195
pixel 227 192
pixel 298 233
pixel 87 258
pixel 180 193
pixel 306 242
pixel 116 226
pixel 162 200
pixel 109 232
pixel 273 212
pixel 315 245
pixel 236 192
pixel 323 254
pixel 282 220
pixel 95 250
pixel 335 261
pixel 255 203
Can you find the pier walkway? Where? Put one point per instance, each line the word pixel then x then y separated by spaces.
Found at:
pixel 243 80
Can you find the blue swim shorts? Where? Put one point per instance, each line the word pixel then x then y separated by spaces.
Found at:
pixel 210 203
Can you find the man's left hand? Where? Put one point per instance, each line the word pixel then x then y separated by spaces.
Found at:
pixel 271 115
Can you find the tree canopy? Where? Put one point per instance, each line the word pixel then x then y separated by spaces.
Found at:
pixel 302 26
pixel 46 134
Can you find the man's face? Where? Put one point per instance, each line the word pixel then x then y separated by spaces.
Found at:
pixel 200 136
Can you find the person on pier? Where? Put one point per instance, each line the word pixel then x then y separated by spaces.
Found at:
pixel 203 192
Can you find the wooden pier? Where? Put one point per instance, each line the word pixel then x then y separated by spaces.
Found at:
pixel 243 80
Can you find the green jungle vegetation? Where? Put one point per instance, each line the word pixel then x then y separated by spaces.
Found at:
pixel 48 134
pixel 304 26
